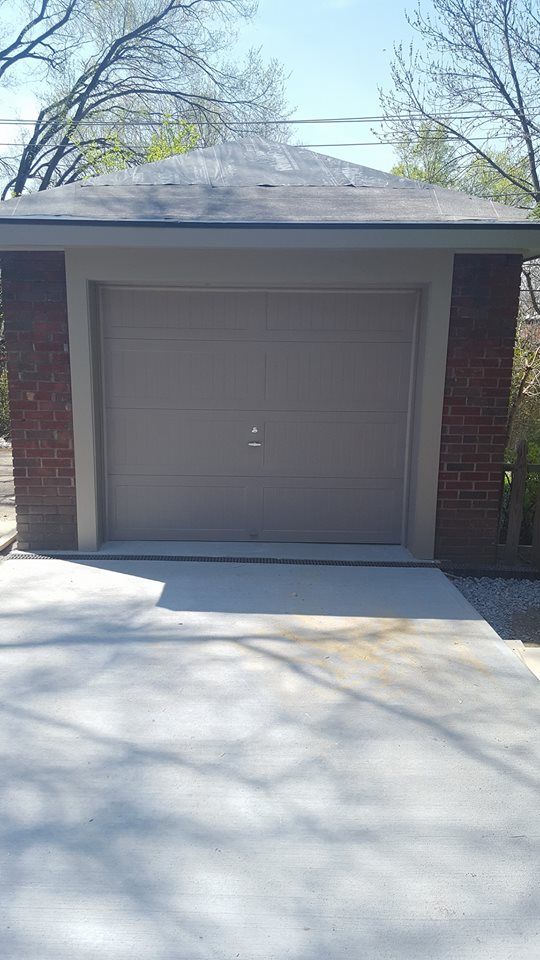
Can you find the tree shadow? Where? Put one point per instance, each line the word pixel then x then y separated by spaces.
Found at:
pixel 181 781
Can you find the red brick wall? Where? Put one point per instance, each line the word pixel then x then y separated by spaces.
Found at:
pixel 483 314
pixel 35 310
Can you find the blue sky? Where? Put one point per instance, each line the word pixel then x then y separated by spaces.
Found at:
pixel 338 53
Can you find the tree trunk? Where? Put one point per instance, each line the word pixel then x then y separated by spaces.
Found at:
pixel 517 498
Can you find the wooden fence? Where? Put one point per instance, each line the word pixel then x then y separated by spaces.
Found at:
pixel 520 471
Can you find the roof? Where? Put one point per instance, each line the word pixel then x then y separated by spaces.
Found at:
pixel 256 181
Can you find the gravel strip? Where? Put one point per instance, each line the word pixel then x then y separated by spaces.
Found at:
pixel 512 607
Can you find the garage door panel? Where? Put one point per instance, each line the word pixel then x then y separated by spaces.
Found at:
pixel 368 447
pixel 150 312
pixel 364 512
pixel 206 508
pixel 175 509
pixel 187 375
pixel 375 313
pixel 335 376
pixel 183 444
pixel 147 313
pixel 295 376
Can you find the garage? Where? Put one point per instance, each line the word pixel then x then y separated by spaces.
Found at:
pixel 256 414
pixel 254 342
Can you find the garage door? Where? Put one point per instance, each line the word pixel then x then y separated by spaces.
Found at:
pixel 256 415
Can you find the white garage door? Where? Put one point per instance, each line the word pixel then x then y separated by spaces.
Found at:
pixel 256 415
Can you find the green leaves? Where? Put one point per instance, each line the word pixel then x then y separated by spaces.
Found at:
pixel 109 153
pixel 428 154
pixel 174 137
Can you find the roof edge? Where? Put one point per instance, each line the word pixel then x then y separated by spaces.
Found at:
pixel 279 224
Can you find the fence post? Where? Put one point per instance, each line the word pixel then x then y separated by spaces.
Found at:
pixel 517 499
pixel 536 530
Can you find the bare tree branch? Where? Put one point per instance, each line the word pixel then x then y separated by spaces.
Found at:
pixel 31 41
pixel 147 59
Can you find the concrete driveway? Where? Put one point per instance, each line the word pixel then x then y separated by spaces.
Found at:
pixel 209 761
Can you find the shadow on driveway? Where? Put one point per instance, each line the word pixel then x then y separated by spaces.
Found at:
pixel 220 761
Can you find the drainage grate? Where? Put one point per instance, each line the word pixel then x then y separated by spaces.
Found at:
pixel 285 561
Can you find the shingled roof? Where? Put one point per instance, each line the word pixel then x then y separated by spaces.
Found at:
pixel 255 181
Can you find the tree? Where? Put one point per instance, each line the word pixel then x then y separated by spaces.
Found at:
pixel 474 79
pixel 114 70
pixel 426 154
pixel 524 412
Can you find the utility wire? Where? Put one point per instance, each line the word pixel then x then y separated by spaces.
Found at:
pixel 392 118
pixel 364 143
pixel 11 121
pixel 400 143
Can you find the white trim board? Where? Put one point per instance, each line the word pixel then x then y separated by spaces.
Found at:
pixel 431 272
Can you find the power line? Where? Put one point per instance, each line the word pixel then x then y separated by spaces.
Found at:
pixel 402 143
pixel 146 123
pixel 391 118
pixel 364 143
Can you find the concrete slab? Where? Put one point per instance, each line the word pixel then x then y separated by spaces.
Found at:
pixel 299 551
pixel 263 762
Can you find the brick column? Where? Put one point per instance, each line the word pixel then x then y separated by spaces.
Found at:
pixel 485 296
pixel 36 331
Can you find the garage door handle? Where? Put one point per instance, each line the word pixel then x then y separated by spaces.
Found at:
pixel 254 443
